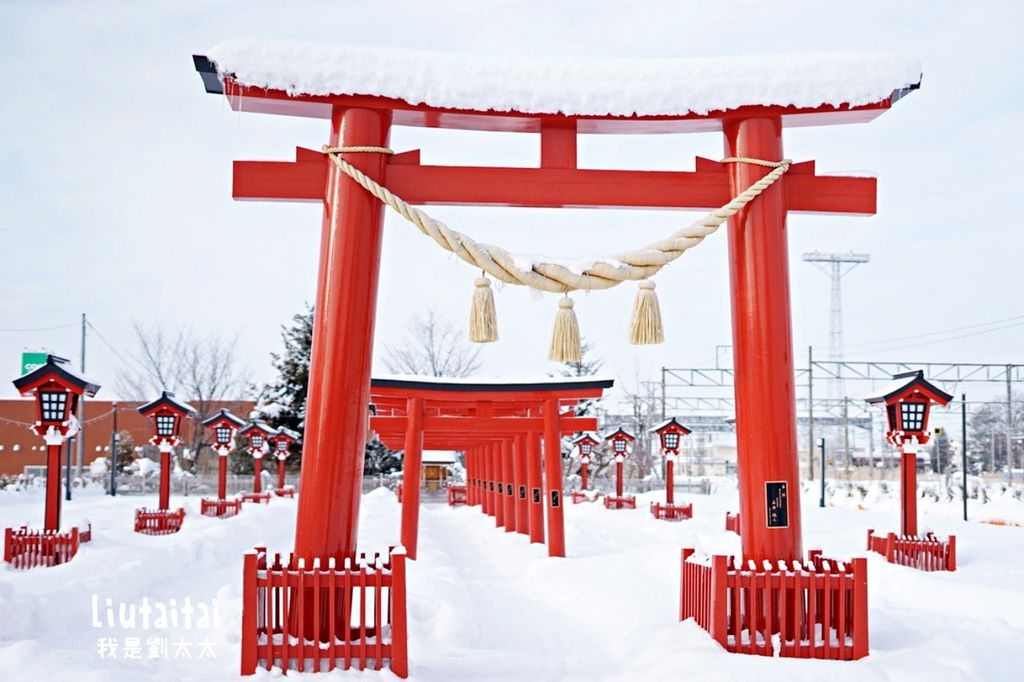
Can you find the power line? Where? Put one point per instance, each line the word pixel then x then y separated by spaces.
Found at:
pixel 938 333
pixel 37 329
pixel 110 345
pixel 951 338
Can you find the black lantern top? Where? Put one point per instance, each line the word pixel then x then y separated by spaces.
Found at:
pixel 670 432
pixel 224 425
pixel 167 413
pixel 585 442
pixel 56 388
pixel 908 399
pixel 258 431
pixel 283 439
pixel 620 439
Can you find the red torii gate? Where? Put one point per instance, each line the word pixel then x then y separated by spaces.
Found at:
pixel 350 261
pixel 499 425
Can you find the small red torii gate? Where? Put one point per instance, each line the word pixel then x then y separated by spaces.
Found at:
pixel 500 426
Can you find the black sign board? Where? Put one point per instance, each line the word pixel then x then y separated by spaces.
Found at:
pixel 509 491
pixel 492 486
pixel 536 495
pixel 501 489
pixel 777 498
pixel 556 498
pixel 522 492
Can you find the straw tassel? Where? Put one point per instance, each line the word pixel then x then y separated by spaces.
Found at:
pixel 645 326
pixel 483 319
pixel 565 342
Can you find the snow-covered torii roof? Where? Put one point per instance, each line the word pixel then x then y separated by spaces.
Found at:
pixel 317 74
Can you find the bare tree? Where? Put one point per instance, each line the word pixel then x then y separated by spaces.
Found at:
pixel 200 370
pixel 433 346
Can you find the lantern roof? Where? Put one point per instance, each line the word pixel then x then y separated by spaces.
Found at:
pixel 258 425
pixel 167 400
pixel 492 92
pixel 906 384
pixel 224 415
pixel 56 369
pixel 671 423
pixel 584 438
pixel 620 434
pixel 284 431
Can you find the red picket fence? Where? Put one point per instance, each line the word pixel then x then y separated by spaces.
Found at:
pixel 287 491
pixel 24 548
pixel 220 508
pixel 671 512
pixel 354 616
pixel 259 498
pixel 926 553
pixel 158 521
pixel 732 522
pixel 625 502
pixel 85 534
pixel 818 609
pixel 456 495
pixel 578 496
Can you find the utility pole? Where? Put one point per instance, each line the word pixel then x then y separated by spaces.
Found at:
pixel 846 438
pixel 821 446
pixel 1009 421
pixel 115 439
pixel 963 450
pixel 810 411
pixel 81 411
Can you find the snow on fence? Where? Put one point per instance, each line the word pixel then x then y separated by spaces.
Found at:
pixel 24 548
pixel 671 512
pixel 158 521
pixel 578 496
pixel 259 498
pixel 316 618
pixel 220 508
pixel 732 522
pixel 624 502
pixel 398 492
pixel 926 553
pixel 818 609
pixel 456 494
pixel 287 491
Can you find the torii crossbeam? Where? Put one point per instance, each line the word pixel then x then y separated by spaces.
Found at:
pixel 362 115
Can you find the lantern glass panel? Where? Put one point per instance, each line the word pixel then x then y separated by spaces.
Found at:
pixel 671 441
pixel 52 405
pixel 223 435
pixel 257 442
pixel 282 445
pixel 619 445
pixel 912 415
pixel 165 424
pixel 585 448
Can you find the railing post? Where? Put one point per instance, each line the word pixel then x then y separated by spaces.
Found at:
pixel 8 545
pixel 890 548
pixel 687 551
pixel 951 554
pixel 870 531
pixel 249 605
pixel 860 608
pixel 719 601
pixel 399 628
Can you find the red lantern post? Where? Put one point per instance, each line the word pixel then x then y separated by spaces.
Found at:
pixel 280 444
pixel 167 414
pixel 620 441
pixel 670 433
pixel 259 434
pixel 225 426
pixel 585 445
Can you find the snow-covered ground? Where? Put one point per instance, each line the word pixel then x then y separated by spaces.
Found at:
pixel 486 605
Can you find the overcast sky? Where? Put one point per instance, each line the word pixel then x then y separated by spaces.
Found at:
pixel 115 191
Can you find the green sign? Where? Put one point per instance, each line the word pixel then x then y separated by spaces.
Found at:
pixel 31 361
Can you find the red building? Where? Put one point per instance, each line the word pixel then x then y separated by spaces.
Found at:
pixel 21 448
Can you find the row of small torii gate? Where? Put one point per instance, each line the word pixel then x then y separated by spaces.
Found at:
pixel 327 604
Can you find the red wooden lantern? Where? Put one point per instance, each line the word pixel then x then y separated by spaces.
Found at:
pixel 620 441
pixel 280 443
pixel 56 388
pixel 167 414
pixel 908 400
pixel 225 427
pixel 259 434
pixel 670 432
pixel 585 445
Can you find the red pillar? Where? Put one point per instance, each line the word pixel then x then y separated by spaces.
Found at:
pixel 165 479
pixel 257 474
pixel 583 474
pixel 51 520
pixel 485 459
pixel 280 472
pixel 499 484
pixel 618 478
pixel 522 506
pixel 908 493
pixel 763 349
pixel 534 488
pixel 670 482
pixel 339 375
pixel 553 478
pixel 222 476
pixel 508 469
pixel 412 464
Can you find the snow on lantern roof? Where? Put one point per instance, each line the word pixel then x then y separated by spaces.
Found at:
pixel 666 423
pixel 903 383
pixel 60 367
pixel 620 434
pixel 226 415
pixel 258 425
pixel 584 437
pixel 288 433
pixel 167 399
pixel 569 86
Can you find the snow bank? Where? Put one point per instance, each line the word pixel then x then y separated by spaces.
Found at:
pixel 574 86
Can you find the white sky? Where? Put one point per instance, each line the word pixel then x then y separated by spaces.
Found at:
pixel 115 191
